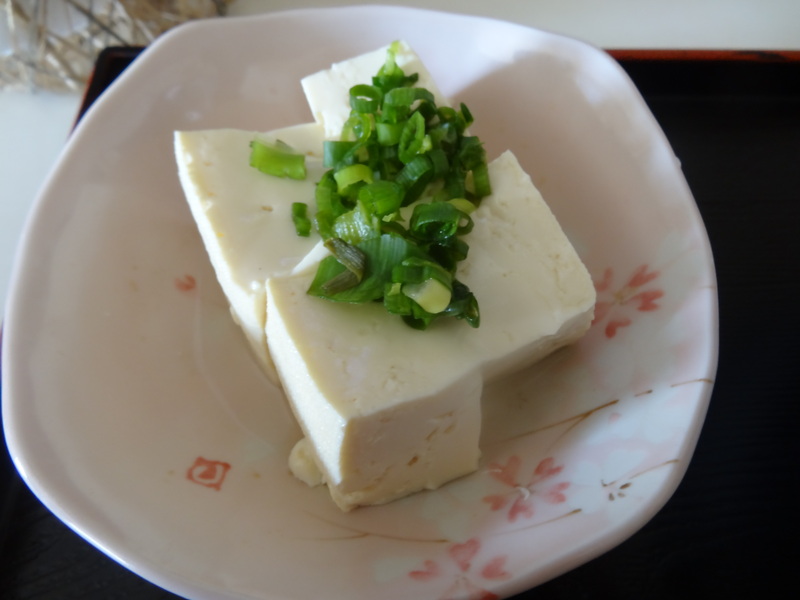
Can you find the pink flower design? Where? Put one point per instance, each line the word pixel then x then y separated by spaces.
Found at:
pixel 430 570
pixel 461 566
pixel 619 300
pixel 520 498
pixel 186 283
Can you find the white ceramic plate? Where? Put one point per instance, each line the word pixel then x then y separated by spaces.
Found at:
pixel 135 412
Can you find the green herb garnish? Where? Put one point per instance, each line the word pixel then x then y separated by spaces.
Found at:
pixel 397 149
pixel 302 224
pixel 278 159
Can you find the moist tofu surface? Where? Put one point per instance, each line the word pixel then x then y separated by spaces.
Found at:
pixel 390 410
pixel 328 91
pixel 387 410
pixel 244 216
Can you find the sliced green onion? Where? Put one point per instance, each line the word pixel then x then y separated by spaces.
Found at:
pixel 342 271
pixel 389 133
pixel 356 225
pixel 334 152
pixel 329 205
pixel 432 295
pixel 390 75
pixel 467 116
pixel 398 148
pixel 382 197
pixel 406 96
pixel 420 290
pixel 302 223
pixel 449 252
pixel 392 227
pixel 332 279
pixel 452 121
pixel 411 138
pixel 350 256
pixel 481 184
pixel 417 269
pixel 437 221
pixel 398 103
pixel 464 305
pixel 365 98
pixel 446 131
pixel 381 253
pixel 439 161
pixel 419 319
pixel 414 177
pixel 471 153
pixel 455 182
pixel 358 127
pixel 351 175
pixel 395 301
pixel 463 205
pixel 277 159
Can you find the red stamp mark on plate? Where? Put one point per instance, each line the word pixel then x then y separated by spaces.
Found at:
pixel 208 473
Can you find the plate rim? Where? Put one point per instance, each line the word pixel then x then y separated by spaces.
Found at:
pixel 34 481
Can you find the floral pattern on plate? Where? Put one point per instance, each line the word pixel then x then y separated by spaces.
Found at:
pixel 137 414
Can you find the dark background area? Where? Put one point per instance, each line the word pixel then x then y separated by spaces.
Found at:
pixel 731 529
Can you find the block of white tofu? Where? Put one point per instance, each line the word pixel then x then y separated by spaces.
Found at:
pixel 389 410
pixel 244 216
pixel 328 91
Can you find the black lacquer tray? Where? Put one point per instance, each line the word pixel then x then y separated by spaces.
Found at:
pixel 729 531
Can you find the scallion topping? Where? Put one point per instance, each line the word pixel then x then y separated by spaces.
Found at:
pixel 302 223
pixel 351 175
pixel 365 98
pixel 277 159
pixel 396 149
